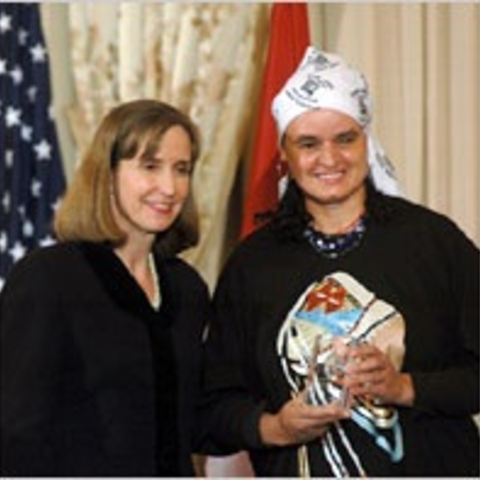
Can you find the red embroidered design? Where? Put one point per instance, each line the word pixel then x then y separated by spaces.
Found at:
pixel 329 295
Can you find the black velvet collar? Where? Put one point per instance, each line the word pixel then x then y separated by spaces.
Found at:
pixel 122 287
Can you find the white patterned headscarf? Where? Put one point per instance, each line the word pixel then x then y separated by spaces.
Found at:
pixel 324 80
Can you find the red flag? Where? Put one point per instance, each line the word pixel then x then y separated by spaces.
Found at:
pixel 289 36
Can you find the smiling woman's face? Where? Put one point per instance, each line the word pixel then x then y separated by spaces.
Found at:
pixel 149 192
pixel 326 153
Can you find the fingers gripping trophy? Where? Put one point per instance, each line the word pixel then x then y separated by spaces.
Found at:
pixel 336 326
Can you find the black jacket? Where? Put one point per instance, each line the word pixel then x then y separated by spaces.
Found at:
pixel 94 382
pixel 419 262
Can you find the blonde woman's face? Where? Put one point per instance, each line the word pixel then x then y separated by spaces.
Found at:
pixel 149 193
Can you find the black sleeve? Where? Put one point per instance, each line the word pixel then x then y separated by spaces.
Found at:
pixel 454 389
pixel 30 340
pixel 230 410
pixel 194 306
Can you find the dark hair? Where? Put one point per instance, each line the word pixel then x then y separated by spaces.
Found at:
pixel 85 212
pixel 291 216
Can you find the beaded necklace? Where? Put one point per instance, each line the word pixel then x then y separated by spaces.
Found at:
pixel 336 245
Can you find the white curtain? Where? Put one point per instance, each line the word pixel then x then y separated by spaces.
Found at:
pixel 422 63
pixel 203 58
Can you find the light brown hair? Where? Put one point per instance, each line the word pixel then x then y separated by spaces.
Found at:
pixel 85 212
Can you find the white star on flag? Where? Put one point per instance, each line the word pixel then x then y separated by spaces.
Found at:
pixel 36 188
pixel 32 93
pixel 17 75
pixel 22 36
pixel 12 117
pixel 47 241
pixel 17 252
pixel 9 158
pixel 38 52
pixel 28 228
pixel 43 150
pixel 3 242
pixel 5 23
pixel 26 132
pixel 6 201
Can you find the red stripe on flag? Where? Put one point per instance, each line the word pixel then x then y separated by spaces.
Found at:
pixel 289 36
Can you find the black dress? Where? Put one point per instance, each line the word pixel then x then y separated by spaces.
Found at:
pixel 94 381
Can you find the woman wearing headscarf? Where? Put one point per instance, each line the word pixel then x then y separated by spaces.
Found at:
pixel 344 340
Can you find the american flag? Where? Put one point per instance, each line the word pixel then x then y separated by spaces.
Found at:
pixel 31 173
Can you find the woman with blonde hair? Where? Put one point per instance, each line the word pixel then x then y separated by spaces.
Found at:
pixel 101 333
